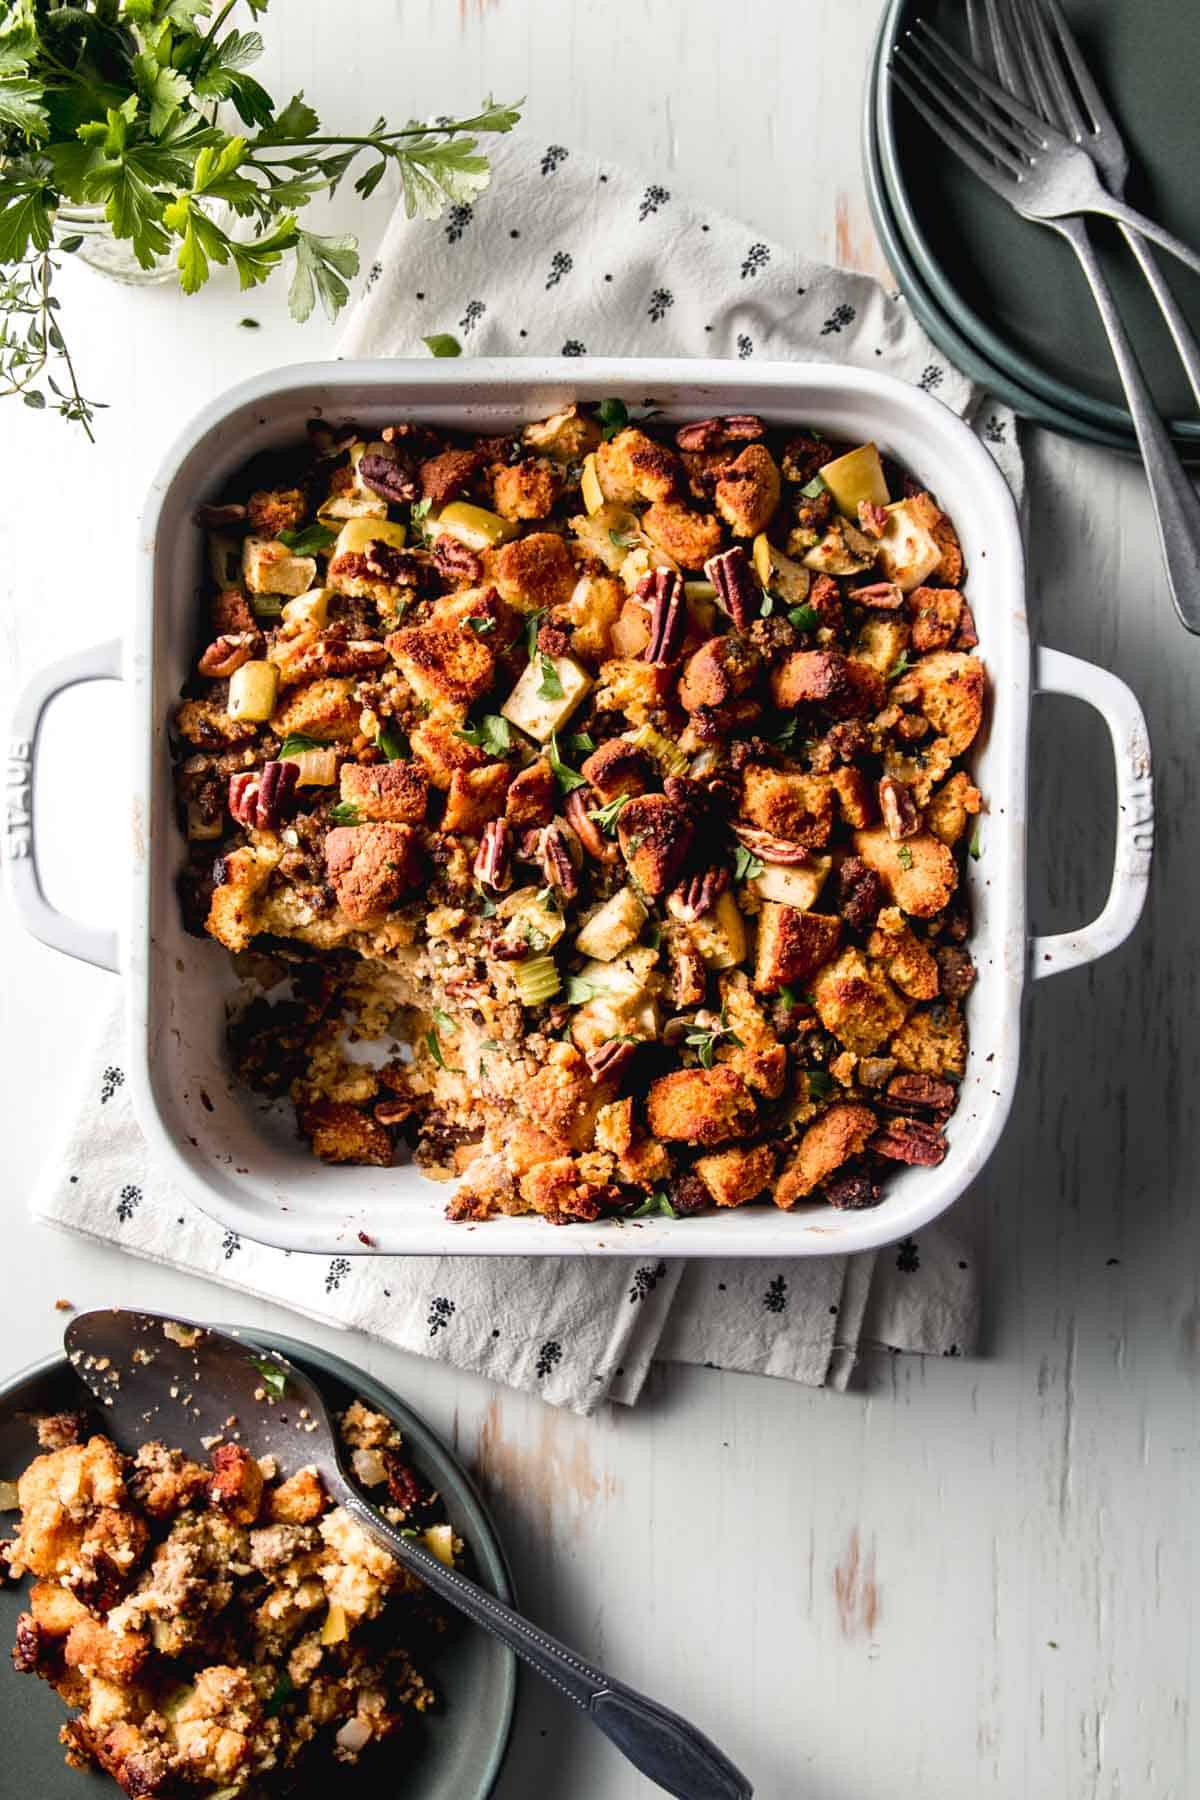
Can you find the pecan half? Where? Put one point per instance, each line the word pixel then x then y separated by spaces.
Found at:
pixel 738 587
pixel 881 596
pixel 276 787
pixel 910 1141
pixel 243 800
pixel 557 864
pixel 688 973
pixel 662 591
pixel 711 434
pixel 399 568
pixel 394 1112
pixel 493 858
pixel 898 807
pixel 214 517
pixel 388 478
pixel 609 1061
pixel 926 1092
pixel 229 652
pixel 576 811
pixel 696 895
pixel 770 848
pixel 455 563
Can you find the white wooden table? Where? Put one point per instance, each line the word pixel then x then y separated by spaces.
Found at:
pixel 967 1578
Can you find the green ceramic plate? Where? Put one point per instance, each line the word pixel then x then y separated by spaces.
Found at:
pixel 460 1748
pixel 1010 289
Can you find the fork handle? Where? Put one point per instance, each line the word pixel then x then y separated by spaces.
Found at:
pixel 1124 214
pixel 1182 335
pixel 1176 507
pixel 671 1752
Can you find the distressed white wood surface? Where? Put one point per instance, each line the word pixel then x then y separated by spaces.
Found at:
pixel 970 1578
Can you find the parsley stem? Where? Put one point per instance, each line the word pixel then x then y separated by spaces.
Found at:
pixel 210 38
pixel 374 142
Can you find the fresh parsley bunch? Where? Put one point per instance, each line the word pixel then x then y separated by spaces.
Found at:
pixel 124 104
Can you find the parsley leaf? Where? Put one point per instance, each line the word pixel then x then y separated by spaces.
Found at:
pixel 324 265
pixel 655 1203
pixel 812 490
pixel 533 624
pixel 493 734
pixel 223 77
pixel 975 848
pixel 580 743
pixel 393 743
pixel 580 991
pixel 625 540
pixel 444 1019
pixel 281 1693
pixel 274 1379
pixel 745 864
pixel 298 742
pixel 787 998
pixel 567 779
pixel 442 344
pixel 898 667
pixel 481 624
pixel 819 1083
pixel 309 540
pixel 904 857
pixel 606 816
pixel 803 617
pixel 21 96
pixel 344 813
pixel 550 687
pixel 613 416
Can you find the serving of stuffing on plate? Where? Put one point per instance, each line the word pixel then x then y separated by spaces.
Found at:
pixel 220 1631
pixel 604 781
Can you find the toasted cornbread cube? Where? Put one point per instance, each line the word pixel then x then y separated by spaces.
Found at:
pixel 634 688
pixel 298 1500
pixel 326 710
pixel 933 1041
pixel 654 835
pixel 856 802
pixel 566 436
pixel 882 642
pixel 269 567
pixel 445 668
pixel 233 913
pixel 527 490
pixel 721 671
pixel 340 1133
pixel 919 872
pixel 788 805
pixel 950 809
pixel 533 795
pixel 811 678
pixel 856 1001
pixel 908 552
pixel 752 1048
pixel 393 793
pixel 700 1106
pixel 475 796
pixel 949 687
pixel 436 743
pixel 908 962
pixel 689 538
pixel 612 927
pixel 369 867
pixel 591 613
pixel 537 713
pixel 747 491
pixel 936 613
pixel 792 945
pixel 534 573
pixel 619 767
pixel 634 467
pixel 114 1656
pixel 237 1483
pixel 272 510
pixel 831 1140
pixel 734 1176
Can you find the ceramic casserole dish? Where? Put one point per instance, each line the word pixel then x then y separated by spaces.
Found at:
pixel 242 1162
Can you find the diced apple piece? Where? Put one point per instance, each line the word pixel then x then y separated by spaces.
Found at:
pixel 439 1541
pixel 720 935
pixel 252 691
pixel 356 534
pixel 309 612
pixel 268 567
pixel 589 486
pixel 856 477
pixel 608 534
pixel 536 713
pixel 779 574
pixel 908 552
pixel 475 526
pixel 793 884
pixel 612 927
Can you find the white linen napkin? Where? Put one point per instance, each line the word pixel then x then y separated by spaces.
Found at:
pixel 573 257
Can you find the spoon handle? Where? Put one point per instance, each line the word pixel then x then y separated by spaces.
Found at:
pixel 680 1759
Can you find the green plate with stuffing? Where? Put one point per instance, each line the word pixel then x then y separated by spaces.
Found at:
pixel 455 1754
pixel 1004 297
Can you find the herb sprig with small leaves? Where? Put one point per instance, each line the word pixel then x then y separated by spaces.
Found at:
pixel 119 104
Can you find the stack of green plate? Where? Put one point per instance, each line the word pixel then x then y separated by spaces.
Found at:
pixel 1005 298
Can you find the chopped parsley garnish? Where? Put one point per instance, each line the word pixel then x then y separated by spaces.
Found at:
pixel 567 779
pixel 820 1083
pixel 613 416
pixel 493 734
pixel 787 998
pixel 297 743
pixel 704 1043
pixel 581 743
pixel 533 625
pixel 654 936
pixel 444 1019
pixel 745 864
pixel 580 991
pixel 904 857
pixel 803 617
pixel 550 686
pixel 284 1688
pixel 480 624
pixel 812 490
pixel 274 1379
pixel 344 813
pixel 393 743
pixel 655 1203
pixel 606 816
pixel 898 667
pixel 442 344
pixel 625 540
pixel 975 848
pixel 309 541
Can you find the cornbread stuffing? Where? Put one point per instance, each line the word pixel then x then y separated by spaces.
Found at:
pixel 584 808
pixel 218 1631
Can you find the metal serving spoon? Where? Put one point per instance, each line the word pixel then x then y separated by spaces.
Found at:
pixel 159 1377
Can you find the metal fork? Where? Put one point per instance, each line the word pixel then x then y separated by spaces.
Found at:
pixel 1046 62
pixel 1045 177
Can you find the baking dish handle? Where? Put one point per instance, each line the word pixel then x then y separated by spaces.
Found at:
pixel 1057 673
pixel 91 943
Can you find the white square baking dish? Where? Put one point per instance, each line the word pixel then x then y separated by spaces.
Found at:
pixel 244 1164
